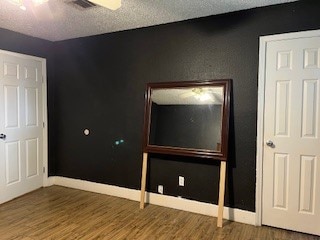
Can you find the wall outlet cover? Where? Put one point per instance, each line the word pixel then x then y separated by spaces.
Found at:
pixel 181 181
pixel 160 189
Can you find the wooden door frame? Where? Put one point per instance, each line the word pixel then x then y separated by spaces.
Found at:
pixel 45 180
pixel 264 40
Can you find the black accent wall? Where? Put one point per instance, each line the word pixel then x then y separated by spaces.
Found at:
pixel 99 84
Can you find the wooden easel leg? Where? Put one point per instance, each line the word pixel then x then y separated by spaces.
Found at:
pixel 221 192
pixel 143 179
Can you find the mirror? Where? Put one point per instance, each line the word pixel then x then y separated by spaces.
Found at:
pixel 188 118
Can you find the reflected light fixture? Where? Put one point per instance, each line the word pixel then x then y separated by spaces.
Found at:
pixel 110 4
pixel 204 96
pixel 201 94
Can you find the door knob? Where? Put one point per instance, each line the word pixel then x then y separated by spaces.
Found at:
pixel 270 143
pixel 3 136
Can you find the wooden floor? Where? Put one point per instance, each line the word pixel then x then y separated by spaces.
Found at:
pixel 63 213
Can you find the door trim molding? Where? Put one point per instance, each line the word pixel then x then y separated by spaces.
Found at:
pixel 44 108
pixel 264 40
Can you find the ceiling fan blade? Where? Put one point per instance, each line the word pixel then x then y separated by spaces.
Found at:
pixel 187 94
pixel 217 97
pixel 110 4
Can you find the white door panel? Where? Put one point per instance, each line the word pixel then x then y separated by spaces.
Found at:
pixel 11 106
pixel 12 162
pixel 21 117
pixel 291 168
pixel 11 69
pixel 32 157
pixel 31 102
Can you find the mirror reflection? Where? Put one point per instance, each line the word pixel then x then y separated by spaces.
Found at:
pixel 187 117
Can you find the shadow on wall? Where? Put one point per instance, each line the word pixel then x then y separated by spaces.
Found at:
pixel 219 24
pixel 231 164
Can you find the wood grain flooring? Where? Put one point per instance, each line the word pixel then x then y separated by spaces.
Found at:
pixel 63 213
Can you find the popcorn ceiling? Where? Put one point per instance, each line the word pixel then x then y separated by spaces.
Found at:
pixel 60 19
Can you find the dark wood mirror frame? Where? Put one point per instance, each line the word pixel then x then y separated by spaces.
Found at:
pixel 220 154
pixel 194 152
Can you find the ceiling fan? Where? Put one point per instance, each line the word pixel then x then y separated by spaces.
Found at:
pixel 110 4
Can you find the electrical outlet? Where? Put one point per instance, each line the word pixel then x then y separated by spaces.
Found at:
pixel 160 189
pixel 181 181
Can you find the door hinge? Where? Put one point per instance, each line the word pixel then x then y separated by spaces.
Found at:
pixel 43 124
pixel 44 170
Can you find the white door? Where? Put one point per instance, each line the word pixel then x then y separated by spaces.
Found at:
pixel 21 125
pixel 291 157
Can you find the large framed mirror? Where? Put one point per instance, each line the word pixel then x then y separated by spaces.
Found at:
pixel 188 118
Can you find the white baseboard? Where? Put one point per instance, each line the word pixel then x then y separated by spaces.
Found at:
pixel 48 181
pixel 233 214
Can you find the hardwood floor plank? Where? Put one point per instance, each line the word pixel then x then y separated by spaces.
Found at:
pixel 64 214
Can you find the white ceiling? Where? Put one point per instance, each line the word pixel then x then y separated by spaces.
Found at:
pixel 60 20
pixel 187 96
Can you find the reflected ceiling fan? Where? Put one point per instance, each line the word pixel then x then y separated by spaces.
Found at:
pixel 202 94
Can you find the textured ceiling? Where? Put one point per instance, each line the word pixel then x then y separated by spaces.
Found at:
pixel 60 20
